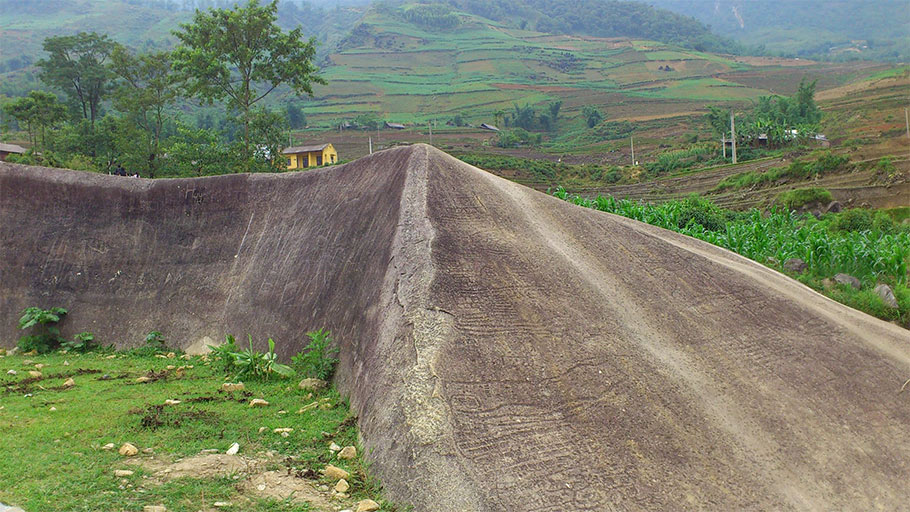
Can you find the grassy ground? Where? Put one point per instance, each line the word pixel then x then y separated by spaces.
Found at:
pixel 53 436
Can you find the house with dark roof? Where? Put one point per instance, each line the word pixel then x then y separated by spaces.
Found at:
pixel 301 157
pixel 394 126
pixel 10 149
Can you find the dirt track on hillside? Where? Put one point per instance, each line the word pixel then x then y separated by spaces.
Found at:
pixel 504 350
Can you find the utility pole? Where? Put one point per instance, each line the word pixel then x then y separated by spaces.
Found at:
pixel 632 143
pixel 371 145
pixel 907 119
pixel 733 135
pixel 723 142
pixel 430 126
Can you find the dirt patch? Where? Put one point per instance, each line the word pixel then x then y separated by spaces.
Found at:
pixel 25 385
pixel 157 416
pixel 297 486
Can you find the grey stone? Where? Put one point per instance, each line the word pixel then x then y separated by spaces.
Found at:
pixel 887 294
pixel 849 280
pixel 834 207
pixel 795 265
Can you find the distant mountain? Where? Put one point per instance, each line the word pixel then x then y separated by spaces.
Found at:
pixel 835 29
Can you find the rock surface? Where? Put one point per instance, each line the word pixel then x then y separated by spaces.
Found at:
pixel 128 450
pixel 312 384
pixel 795 265
pixel 887 294
pixel 848 280
pixel 336 473
pixel 502 349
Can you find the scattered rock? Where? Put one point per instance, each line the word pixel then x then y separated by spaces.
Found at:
pixel 834 207
pixel 334 447
pixel 230 387
pixel 171 402
pixel 336 473
pixel 222 504
pixel 122 473
pixel 258 402
pixel 367 506
pixel 128 450
pixel 39 366
pixel 108 446
pixel 35 373
pixel 795 265
pixel 53 409
pixel 186 357
pixel 308 407
pixel 233 449
pixel 66 363
pixel 68 383
pixel 148 451
pixel 11 372
pixel 169 367
pixel 263 429
pixel 348 452
pixel 342 486
pixel 312 384
pixel 887 294
pixel 282 430
pixel 154 508
pixel 105 377
pixel 171 355
pixel 28 362
pixel 143 380
pixel 848 280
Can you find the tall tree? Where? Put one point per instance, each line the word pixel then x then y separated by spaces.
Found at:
pixel 39 111
pixel 242 55
pixel 149 87
pixel 76 65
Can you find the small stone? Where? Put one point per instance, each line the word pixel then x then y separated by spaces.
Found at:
pixel 848 280
pixel 342 486
pixel 53 409
pixel 171 355
pixel 308 407
pixel 795 265
pixel 171 402
pixel 39 366
pixel 887 294
pixel 128 450
pixel 108 446
pixel 324 488
pixel 28 362
pixel 68 383
pixel 258 402
pixel 285 434
pixel 282 412
pixel 31 353
pixel 122 473
pixel 312 384
pixel 261 487
pixel 210 451
pixel 11 372
pixel 334 447
pixel 326 406
pixel 222 504
pixel 263 429
pixel 148 451
pixel 154 508
pixel 367 506
pixel 282 430
pixel 233 449
pixel 143 380
pixel 35 373
pixel 111 357
pixel 170 367
pixel 348 452
pixel 336 473
pixel 186 357
pixel 230 387
pixel 66 363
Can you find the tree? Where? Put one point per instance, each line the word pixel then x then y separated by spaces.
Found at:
pixel 148 89
pixel 76 65
pixel 39 111
pixel 296 118
pixel 593 117
pixel 242 55
pixel 554 110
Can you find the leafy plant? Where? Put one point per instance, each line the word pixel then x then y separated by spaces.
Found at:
pixel 154 344
pixel 82 342
pixel 43 322
pixel 318 360
pixel 224 355
pixel 258 366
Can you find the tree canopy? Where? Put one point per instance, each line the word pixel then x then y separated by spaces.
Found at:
pixel 76 65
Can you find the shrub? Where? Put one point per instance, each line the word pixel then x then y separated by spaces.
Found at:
pixel 318 360
pixel 698 210
pixel 154 344
pixel 45 335
pixel 854 219
pixel 258 366
pixel 224 355
pixel 794 199
pixel 82 342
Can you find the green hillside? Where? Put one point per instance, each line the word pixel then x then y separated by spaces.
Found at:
pixel 836 29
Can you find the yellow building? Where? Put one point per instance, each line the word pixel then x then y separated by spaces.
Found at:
pixel 301 157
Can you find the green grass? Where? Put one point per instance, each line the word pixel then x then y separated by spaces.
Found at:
pixel 797 198
pixel 53 460
pixel 823 163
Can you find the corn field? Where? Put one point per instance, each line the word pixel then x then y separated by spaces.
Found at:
pixel 772 239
